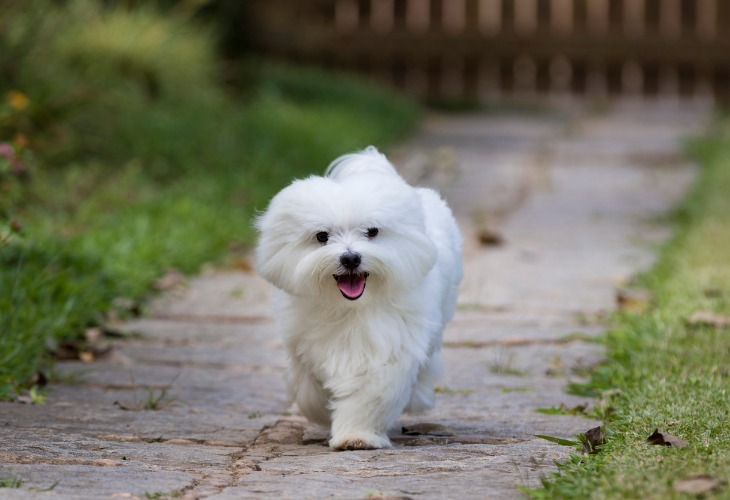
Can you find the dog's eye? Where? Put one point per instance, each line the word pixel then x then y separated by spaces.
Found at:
pixel 323 236
pixel 373 232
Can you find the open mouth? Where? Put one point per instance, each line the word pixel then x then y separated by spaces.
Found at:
pixel 351 285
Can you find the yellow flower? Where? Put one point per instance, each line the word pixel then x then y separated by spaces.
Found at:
pixel 17 99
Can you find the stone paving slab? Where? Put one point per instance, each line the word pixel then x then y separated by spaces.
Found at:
pixel 574 199
pixel 445 471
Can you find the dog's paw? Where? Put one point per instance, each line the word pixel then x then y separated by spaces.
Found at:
pixel 359 441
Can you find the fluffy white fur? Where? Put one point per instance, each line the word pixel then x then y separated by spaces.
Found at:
pixel 358 362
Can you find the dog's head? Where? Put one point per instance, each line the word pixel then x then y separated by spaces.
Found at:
pixel 333 238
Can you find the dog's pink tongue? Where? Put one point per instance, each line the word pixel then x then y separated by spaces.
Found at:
pixel 351 285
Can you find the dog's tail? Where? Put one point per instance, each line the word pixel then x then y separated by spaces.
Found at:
pixel 367 160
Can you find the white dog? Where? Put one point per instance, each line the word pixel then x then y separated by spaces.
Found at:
pixel 367 269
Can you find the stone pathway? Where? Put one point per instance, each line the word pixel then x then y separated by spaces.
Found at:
pixel 557 211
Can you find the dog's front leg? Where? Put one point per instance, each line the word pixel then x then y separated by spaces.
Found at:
pixel 366 406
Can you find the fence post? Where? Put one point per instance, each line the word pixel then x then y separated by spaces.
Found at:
pixel 597 17
pixel 561 17
pixel 706 19
pixel 382 16
pixel 670 18
pixel 454 16
pixel 491 49
pixel 418 16
pixel 347 16
pixel 490 16
pixel 525 17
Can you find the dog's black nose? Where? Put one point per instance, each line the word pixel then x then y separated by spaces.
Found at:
pixel 350 260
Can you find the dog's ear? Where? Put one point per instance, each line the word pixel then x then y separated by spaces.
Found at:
pixel 276 233
pixel 287 228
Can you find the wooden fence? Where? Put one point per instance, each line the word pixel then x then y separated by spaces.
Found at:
pixel 487 50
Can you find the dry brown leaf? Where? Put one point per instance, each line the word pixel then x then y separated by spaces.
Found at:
pixel 242 264
pixel 698 485
pixel 708 318
pixel 171 279
pixel 490 238
pixel 428 430
pixel 666 439
pixel 594 438
pixel 86 356
pixel 39 379
pixel 577 409
pixel 635 300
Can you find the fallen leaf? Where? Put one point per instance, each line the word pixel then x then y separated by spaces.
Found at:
pixel 634 299
pixel 171 279
pixel 86 356
pixel 698 485
pixel 64 350
pixel 593 439
pixel 39 379
pixel 708 318
pixel 243 264
pixel 428 430
pixel 490 238
pixel 666 439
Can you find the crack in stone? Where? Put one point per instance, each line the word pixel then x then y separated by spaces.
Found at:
pixel 285 431
pixel 162 440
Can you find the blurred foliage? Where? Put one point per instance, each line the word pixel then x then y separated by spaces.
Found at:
pixel 122 154
pixel 88 71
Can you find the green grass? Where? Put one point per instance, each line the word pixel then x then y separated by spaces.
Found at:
pixel 503 363
pixel 662 371
pixel 150 170
pixel 10 482
pixel 94 232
